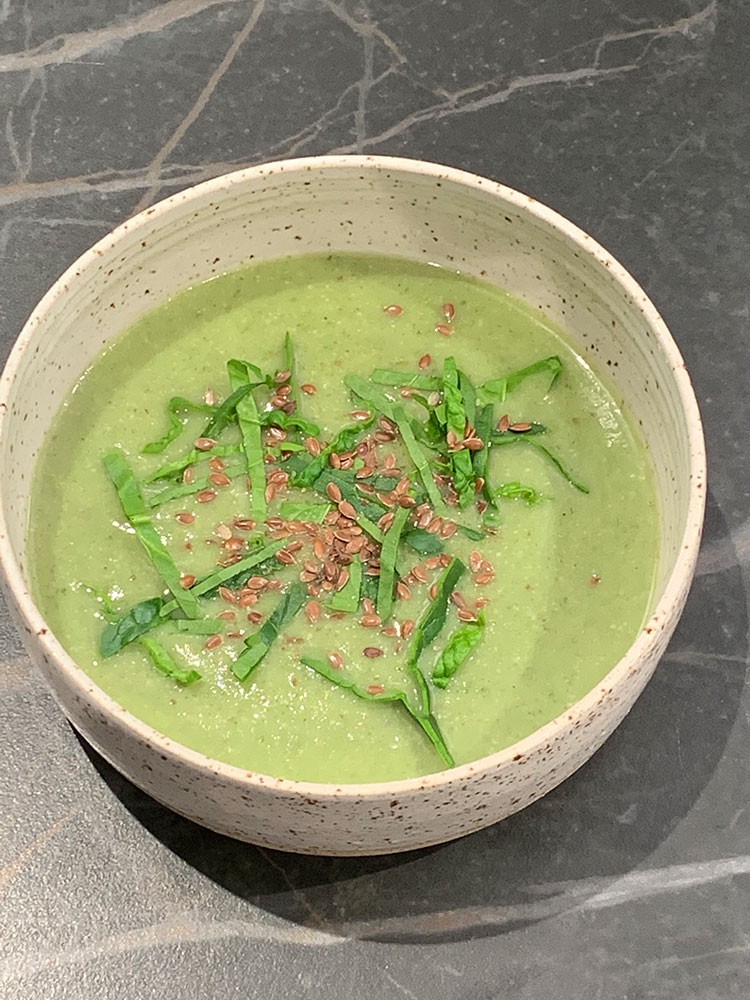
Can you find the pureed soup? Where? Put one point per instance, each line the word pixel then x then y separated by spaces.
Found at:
pixel 343 518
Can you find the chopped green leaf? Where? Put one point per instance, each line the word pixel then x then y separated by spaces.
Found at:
pixel 372 396
pixel 462 469
pixel 517 491
pixel 384 376
pixel 176 424
pixel 347 599
pixel 252 441
pixel 417 455
pixel 458 647
pixel 165 664
pixel 497 389
pixel 345 440
pixel 258 644
pixel 140 619
pixel 290 365
pixel 226 412
pixel 231 469
pixel 427 723
pixel 423 542
pixel 136 512
pixel 291 510
pixel 388 556
pixel 180 464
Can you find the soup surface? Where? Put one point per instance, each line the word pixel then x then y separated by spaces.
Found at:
pixel 385 622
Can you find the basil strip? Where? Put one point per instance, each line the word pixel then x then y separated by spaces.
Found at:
pixel 180 464
pixel 388 554
pixel 481 459
pixel 345 440
pixel 423 542
pixel 456 420
pixel 188 489
pixel 458 647
pixel 347 599
pixel 497 389
pixel 176 425
pixel 508 438
pixel 377 399
pixel 258 644
pixel 165 664
pixel 291 510
pixel 136 512
pixel 226 413
pixel 140 619
pixel 290 365
pixel 383 376
pixel 417 456
pixel 517 491
pixel 427 723
pixel 252 441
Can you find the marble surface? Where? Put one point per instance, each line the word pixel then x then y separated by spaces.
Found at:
pixel 630 117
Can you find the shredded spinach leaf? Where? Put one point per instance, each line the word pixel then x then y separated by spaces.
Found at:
pixel 497 389
pixel 384 376
pixel 258 644
pixel 252 441
pixel 458 647
pixel 136 512
pixel 165 664
pixel 388 555
pixel 456 419
pixel 417 456
pixel 292 510
pixel 347 599
pixel 423 542
pixel 394 695
pixel 141 618
pixel 176 424
pixel 518 491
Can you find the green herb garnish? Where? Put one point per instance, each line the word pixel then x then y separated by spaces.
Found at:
pixel 176 423
pixel 140 619
pixel 388 555
pixel 165 664
pixel 458 647
pixel 136 512
pixel 258 644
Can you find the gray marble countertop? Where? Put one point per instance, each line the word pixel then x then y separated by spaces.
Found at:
pixel 632 118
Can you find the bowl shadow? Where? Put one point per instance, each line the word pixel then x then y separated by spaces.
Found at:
pixel 556 854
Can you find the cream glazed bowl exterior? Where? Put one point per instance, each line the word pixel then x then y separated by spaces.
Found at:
pixel 389 206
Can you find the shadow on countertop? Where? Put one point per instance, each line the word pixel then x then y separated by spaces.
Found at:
pixel 561 851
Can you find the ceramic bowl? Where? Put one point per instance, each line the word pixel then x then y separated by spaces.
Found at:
pixel 389 206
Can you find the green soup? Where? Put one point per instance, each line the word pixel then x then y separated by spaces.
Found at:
pixel 555 581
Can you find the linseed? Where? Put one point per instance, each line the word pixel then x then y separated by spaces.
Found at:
pixel 185 517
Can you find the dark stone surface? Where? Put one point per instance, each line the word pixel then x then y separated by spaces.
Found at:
pixel 630 881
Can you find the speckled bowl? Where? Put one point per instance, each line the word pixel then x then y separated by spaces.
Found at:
pixel 413 209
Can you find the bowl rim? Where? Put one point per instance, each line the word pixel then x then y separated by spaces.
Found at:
pixel 644 645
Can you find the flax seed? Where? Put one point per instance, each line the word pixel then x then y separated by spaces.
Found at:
pixel 482 602
pixel 393 309
pixel 312 611
pixel 236 635
pixel 187 580
pixel 333 492
pixel 425 361
pixel 342 579
pixel 364 472
pixel 274 585
pixel 204 443
pixel 481 578
pixel 205 496
pixel 308 389
pixel 520 427
pixel 435 525
pixel 465 615
pixel 213 642
pixel 402 590
pixel 458 599
pixel 188 475
pixel 372 653
pixel 248 598
pixel 185 517
pixel 334 461
pixel 336 660
pixel 229 560
pixel 360 414
pixel 443 330
pixel 475 561
pixel 407 628
pixel 227 595
pixel 503 423
pixel 419 573
pixel 386 520
pixel 313 446
pixel 295 546
pixel 243 524
pixel 285 558
pixel 370 621
pixel 347 510
pixel 219 479
pixel 281 377
pixel 254 617
pixel 391 631
pixel 226 616
pixel 445 560
pixel 449 311
pixel 209 397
